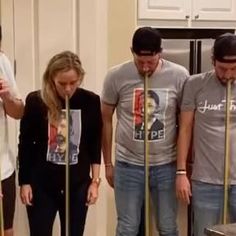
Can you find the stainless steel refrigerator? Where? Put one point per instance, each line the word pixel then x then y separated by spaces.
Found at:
pixel 193 54
pixel 191 48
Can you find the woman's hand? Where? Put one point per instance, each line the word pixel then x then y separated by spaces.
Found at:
pixel 26 194
pixel 92 193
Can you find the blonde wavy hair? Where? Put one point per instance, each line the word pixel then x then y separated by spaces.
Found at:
pixel 61 62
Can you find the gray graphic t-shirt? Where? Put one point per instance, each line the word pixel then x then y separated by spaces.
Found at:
pixel 206 95
pixel 123 88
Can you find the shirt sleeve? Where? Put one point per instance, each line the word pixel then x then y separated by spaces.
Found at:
pixel 96 137
pixel 110 94
pixel 189 92
pixel 184 77
pixel 27 140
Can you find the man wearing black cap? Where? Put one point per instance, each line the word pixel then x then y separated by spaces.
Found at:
pixel 203 111
pixel 123 87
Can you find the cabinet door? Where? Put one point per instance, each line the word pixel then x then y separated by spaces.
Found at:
pixel 215 10
pixel 164 9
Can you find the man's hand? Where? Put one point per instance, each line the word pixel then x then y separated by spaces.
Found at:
pixel 109 170
pixel 183 189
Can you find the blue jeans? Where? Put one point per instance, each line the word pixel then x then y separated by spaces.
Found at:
pixel 208 205
pixel 129 195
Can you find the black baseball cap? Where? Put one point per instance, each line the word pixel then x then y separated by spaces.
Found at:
pixel 225 45
pixel 146 41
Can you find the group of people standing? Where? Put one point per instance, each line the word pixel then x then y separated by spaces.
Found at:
pixel 181 110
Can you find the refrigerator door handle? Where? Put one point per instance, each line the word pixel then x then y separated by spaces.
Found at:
pixel 199 57
pixel 192 57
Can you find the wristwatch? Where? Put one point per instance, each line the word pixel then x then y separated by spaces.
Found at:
pixel 96 180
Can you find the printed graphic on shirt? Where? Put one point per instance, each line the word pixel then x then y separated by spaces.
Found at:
pixel 57 139
pixel 156 106
pixel 206 106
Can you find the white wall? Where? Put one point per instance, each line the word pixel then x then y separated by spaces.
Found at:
pixel 34 30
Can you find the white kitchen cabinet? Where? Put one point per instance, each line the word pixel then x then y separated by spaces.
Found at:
pixel 189 12
pixel 164 9
pixel 217 10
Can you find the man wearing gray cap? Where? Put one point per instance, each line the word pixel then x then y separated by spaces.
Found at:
pixel 123 92
pixel 203 112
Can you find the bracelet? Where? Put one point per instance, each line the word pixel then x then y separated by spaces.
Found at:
pixel 181 172
pixel 96 181
pixel 108 164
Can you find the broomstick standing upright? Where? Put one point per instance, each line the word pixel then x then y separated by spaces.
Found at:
pixel 67 170
pixel 227 151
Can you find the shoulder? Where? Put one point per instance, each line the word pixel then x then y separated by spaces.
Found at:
pixel 118 76
pixel 120 67
pixel 34 105
pixel 33 96
pixel 197 82
pixel 34 100
pixel 87 95
pixel 178 73
pixel 120 70
pixel 175 67
pixel 201 78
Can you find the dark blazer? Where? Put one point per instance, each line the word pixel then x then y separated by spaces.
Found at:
pixel 33 141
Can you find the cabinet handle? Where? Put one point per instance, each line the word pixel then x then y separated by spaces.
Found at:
pixel 196 17
pixel 187 17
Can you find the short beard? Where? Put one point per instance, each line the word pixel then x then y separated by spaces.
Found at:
pixel 224 81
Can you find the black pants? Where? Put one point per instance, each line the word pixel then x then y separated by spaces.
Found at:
pixel 47 203
pixel 9 193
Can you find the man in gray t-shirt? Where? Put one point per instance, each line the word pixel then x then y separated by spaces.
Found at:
pixel 203 113
pixel 123 91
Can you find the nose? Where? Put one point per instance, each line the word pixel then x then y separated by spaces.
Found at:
pixel 145 68
pixel 228 75
pixel 68 89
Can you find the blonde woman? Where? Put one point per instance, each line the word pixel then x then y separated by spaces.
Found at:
pixel 42 163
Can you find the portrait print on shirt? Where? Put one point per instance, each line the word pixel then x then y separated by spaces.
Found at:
pixel 57 139
pixel 156 105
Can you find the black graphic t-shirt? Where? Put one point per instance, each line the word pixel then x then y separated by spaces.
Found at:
pixel 42 146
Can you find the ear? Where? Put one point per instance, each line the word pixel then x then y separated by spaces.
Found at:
pixel 213 60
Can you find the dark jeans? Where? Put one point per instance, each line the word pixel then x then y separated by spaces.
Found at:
pixel 141 231
pixel 46 204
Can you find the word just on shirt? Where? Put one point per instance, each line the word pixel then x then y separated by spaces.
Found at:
pixel 216 107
